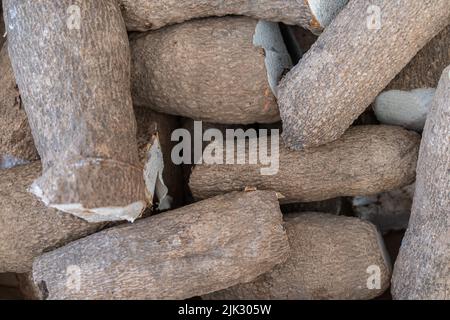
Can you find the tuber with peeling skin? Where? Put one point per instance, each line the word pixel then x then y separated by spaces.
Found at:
pixel 222 70
pixel 425 69
pixel 315 15
pixel 16 140
pixel 331 257
pixel 20 243
pixel 351 63
pixel 77 97
pixel 422 269
pixel 365 160
pixel 150 123
pixel 194 250
pixel 27 227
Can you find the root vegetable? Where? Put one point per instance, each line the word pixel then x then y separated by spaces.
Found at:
pixel 27 227
pixel 422 269
pixel 425 69
pixel 365 160
pixel 142 15
pixel 351 63
pixel 74 80
pixel 332 257
pixel 222 70
pixel 194 250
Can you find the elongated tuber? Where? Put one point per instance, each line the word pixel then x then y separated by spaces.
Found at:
pixel 194 250
pixel 422 269
pixel 223 70
pixel 332 257
pixel 71 63
pixel 365 160
pixel 351 63
pixel 142 15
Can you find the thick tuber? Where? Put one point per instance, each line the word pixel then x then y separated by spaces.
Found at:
pixel 351 63
pixel 72 66
pixel 194 250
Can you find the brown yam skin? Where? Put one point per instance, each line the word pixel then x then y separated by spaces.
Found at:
pixel 143 15
pixel 15 133
pixel 75 86
pixel 350 64
pixel 27 227
pixel 425 69
pixel 194 250
pixel 422 269
pixel 329 258
pixel 365 160
pixel 206 69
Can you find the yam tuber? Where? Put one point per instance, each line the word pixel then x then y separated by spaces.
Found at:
pixel 28 228
pixel 222 70
pixel 194 250
pixel 71 63
pixel 351 63
pixel 332 257
pixel 365 160
pixel 422 269
pixel 143 15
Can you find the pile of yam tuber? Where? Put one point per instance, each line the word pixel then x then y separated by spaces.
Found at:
pixel 156 149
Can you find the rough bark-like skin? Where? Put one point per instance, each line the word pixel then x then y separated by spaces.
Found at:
pixel 148 123
pixel 205 69
pixel 194 250
pixel 422 269
pixel 425 69
pixel 15 133
pixel 142 15
pixel 75 86
pixel 350 64
pixel 329 260
pixel 365 160
pixel 27 227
